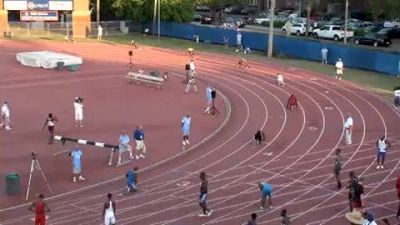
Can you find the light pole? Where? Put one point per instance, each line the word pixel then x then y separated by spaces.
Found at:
pixel 271 29
pixel 98 12
pixel 346 15
pixel 159 19
pixel 156 13
pixel 154 16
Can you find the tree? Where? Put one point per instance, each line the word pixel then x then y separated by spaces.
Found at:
pixel 310 5
pixel 385 9
pixel 142 10
pixel 216 5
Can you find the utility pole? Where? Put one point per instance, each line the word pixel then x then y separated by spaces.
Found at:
pixel 271 29
pixel 98 12
pixel 159 20
pixel 346 15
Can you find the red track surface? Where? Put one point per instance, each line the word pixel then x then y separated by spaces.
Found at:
pixel 302 144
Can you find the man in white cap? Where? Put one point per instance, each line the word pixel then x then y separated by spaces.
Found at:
pixel 348 129
pixel 339 69
pixel 5 116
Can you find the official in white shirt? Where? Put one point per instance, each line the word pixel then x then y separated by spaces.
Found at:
pixel 5 116
pixel 381 146
pixel 279 78
pixel 78 108
pixel 339 69
pixel 348 129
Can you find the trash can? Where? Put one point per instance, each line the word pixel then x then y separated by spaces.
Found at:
pixel 12 184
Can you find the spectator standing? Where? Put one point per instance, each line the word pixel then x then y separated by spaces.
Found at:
pixel 40 207
pixel 209 99
pixel 5 116
pixel 266 190
pixel 76 155
pixel 397 96
pixel 338 168
pixel 348 129
pixel 285 217
pixel 203 196
pixel 226 41
pixel 191 81
pixel 398 195
pixel 78 108
pixel 139 141
pixel 109 211
pixel 133 44
pixel 253 219
pixel 381 144
pixel 324 55
pixel 368 218
pixel 124 146
pixel 99 32
pixel 339 69
pixel 239 40
pixel 131 177
pixel 186 121
pixel 50 123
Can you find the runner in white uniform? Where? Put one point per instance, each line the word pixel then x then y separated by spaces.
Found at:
pixel 109 211
pixel 339 69
pixel 5 116
pixel 382 146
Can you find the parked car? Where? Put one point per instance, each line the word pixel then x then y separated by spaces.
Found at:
pixel 202 8
pixel 233 22
pixel 197 17
pixel 380 38
pixel 248 10
pixel 332 32
pixel 295 28
pixel 261 20
pixel 206 19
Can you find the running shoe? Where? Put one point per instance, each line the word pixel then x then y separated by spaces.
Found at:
pixel 209 213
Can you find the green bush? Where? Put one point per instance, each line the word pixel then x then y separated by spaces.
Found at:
pixel 277 24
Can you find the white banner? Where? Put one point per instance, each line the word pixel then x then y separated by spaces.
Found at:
pixel 60 5
pixel 15 5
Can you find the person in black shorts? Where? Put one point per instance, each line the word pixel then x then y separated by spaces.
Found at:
pixel 338 168
pixel 259 137
pixel 50 122
pixel 203 196
pixel 355 192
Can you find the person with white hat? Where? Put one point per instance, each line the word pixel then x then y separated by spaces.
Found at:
pixel 78 108
pixel 382 144
pixel 339 69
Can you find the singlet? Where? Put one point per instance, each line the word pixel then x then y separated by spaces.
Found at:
pixel 110 209
pixel 39 208
pixel 50 122
pixel 382 145
pixel 203 187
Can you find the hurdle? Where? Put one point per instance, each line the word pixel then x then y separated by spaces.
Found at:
pixel 63 140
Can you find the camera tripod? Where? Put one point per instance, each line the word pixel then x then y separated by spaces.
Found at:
pixel 35 165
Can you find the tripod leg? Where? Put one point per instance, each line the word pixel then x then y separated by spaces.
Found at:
pixel 29 181
pixel 44 177
pixel 111 157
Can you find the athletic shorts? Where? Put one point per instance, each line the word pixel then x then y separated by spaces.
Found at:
pixel 40 220
pixel 381 154
pixel 76 170
pixel 357 204
pixel 265 194
pixel 78 115
pixel 139 145
pixel 50 128
pixel 109 219
pixel 203 198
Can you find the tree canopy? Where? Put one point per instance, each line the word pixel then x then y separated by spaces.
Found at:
pixel 385 9
pixel 142 10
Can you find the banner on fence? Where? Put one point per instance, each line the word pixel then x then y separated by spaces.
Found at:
pixel 39 16
pixel 38 5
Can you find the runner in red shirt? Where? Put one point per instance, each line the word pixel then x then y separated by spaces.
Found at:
pixel 39 207
pixel 292 102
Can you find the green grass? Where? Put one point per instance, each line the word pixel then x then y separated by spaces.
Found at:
pixel 378 82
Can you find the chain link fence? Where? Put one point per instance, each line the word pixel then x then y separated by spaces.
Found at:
pixel 59 30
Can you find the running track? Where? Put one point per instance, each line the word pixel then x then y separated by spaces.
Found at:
pixel 297 158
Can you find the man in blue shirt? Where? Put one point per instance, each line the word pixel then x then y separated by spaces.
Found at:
pixel 131 177
pixel 139 139
pixel 266 190
pixel 76 155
